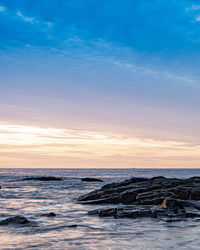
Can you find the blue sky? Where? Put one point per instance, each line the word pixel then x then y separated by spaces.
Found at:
pixel 126 66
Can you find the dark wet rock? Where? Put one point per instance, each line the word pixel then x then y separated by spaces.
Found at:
pixel 43 178
pixel 157 197
pixel 143 191
pixel 20 220
pixel 73 226
pixel 91 179
pixel 51 214
pixel 128 197
pixel 108 200
pixel 122 212
pixel 173 205
pixel 157 212
pixel 147 211
pixel 195 193
pixel 155 201
pixel 125 183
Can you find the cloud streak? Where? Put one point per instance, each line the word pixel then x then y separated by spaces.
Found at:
pixel 25 18
pixel 27 142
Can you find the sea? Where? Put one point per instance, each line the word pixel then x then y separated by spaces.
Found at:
pixel 72 228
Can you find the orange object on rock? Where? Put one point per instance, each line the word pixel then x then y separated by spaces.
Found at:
pixel 164 204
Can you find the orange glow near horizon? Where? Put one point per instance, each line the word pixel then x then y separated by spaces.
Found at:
pixel 29 146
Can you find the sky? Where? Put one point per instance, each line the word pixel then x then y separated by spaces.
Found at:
pixel 99 84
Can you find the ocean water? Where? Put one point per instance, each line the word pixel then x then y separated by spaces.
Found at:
pixel 33 198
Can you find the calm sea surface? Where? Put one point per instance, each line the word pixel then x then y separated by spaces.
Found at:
pixel 33 198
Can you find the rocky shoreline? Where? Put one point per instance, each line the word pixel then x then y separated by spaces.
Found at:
pixel 158 197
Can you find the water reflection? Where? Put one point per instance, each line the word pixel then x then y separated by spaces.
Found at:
pixel 72 228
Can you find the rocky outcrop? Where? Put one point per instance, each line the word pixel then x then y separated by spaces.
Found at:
pixel 144 197
pixel 91 180
pixel 20 220
pixel 43 178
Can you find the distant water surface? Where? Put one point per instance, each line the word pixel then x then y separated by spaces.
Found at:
pixel 33 198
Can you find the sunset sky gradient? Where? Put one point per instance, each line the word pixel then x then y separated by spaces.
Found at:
pixel 99 83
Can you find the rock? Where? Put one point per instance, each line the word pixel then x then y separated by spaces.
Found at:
pixel 43 178
pixel 133 212
pixel 14 220
pixel 73 226
pixel 108 200
pixel 155 201
pixel 125 183
pixel 121 212
pixel 51 214
pixel 91 179
pixel 128 197
pixel 144 191
pixel 182 193
pixel 157 212
pixel 175 206
pixel 156 197
pixel 194 193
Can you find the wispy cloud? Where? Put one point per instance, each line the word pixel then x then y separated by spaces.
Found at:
pixel 30 142
pixel 150 71
pixel 33 20
pixel 193 7
pixel 197 18
pixel 26 18
pixel 194 10
pixel 42 24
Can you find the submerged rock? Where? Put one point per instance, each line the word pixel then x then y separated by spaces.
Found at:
pixel 42 178
pixel 156 197
pixel 91 179
pixel 51 214
pixel 15 220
